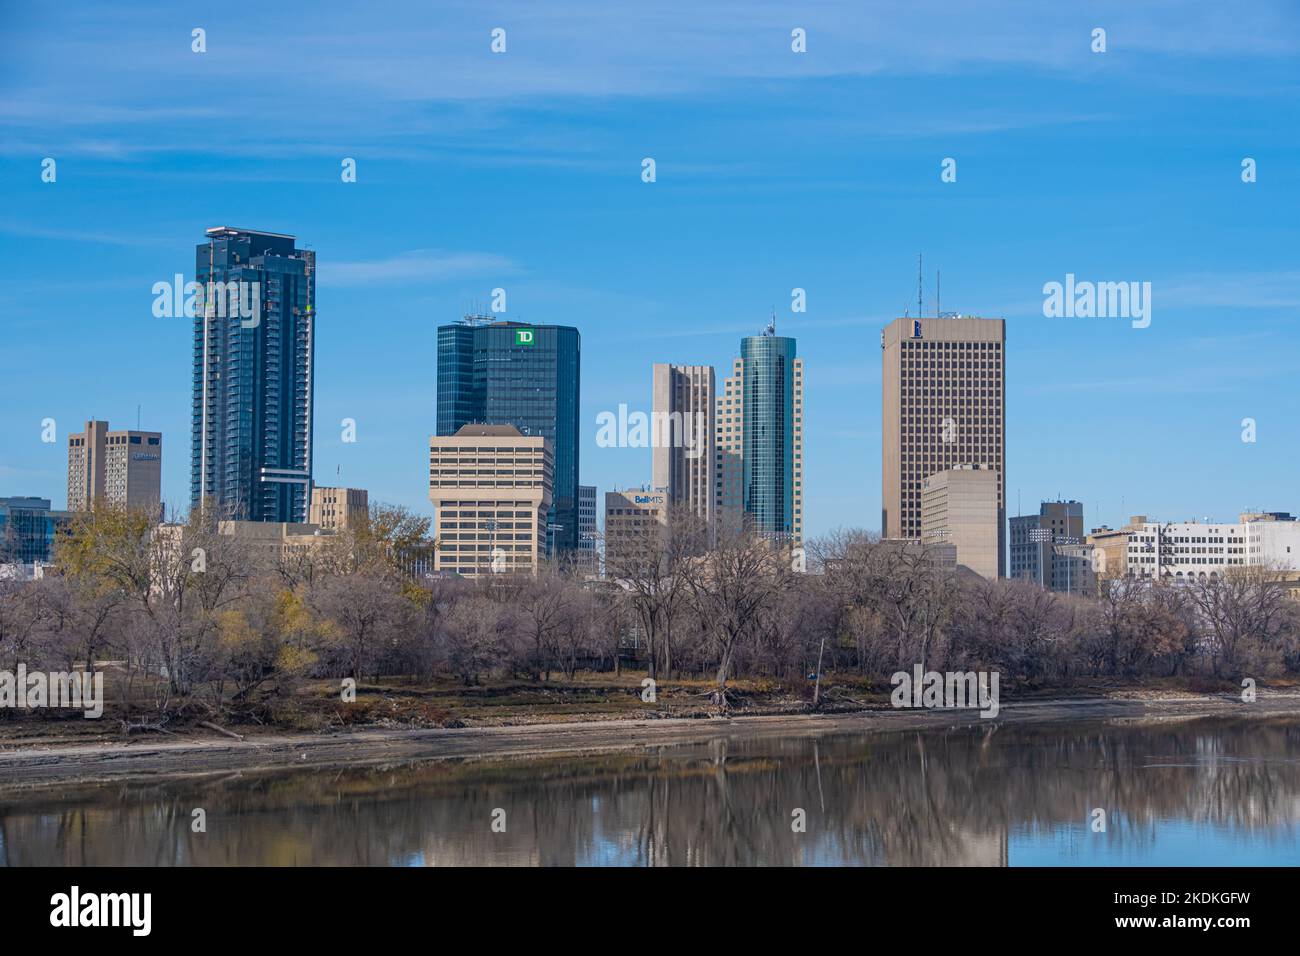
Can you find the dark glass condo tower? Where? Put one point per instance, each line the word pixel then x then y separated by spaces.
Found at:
pixel 250 456
pixel 509 373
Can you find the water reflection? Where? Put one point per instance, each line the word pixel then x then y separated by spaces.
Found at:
pixel 1215 792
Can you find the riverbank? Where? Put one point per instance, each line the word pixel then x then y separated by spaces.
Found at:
pixel 37 765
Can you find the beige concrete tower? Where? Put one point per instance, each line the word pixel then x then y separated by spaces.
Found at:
pixel 959 507
pixel 729 441
pixel 682 422
pixel 122 468
pixel 491 489
pixel 943 405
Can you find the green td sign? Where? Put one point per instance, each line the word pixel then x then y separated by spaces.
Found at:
pixel 523 336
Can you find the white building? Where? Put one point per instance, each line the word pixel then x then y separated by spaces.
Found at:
pixel 1182 551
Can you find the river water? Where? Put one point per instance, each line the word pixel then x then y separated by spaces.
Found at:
pixel 1213 791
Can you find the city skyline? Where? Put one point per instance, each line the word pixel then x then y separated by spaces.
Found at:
pixel 1108 167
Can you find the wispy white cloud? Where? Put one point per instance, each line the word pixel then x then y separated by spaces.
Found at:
pixel 412 66
pixel 30 231
pixel 418 265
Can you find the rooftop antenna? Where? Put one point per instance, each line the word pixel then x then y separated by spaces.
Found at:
pixel 137 418
pixel 920 282
pixel 938 303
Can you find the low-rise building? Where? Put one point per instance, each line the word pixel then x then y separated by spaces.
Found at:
pixel 1049 548
pixel 633 519
pixel 337 509
pixel 1185 551
pixel 28 527
pixel 263 544
pixel 1110 548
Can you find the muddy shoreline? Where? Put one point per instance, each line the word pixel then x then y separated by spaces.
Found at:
pixel 32 767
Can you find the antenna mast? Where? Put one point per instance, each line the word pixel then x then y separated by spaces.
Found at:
pixel 920 309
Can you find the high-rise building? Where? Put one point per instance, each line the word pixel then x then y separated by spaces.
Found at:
pixel 759 437
pixel 337 509
pixel 511 373
pixel 254 345
pixel 944 405
pixel 682 424
pixel 959 507
pixel 588 529
pixel 1050 548
pixel 490 486
pixel 123 468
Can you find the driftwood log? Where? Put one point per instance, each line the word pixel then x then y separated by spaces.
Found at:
pixel 219 729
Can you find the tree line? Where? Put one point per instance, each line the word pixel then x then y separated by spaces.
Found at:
pixel 195 621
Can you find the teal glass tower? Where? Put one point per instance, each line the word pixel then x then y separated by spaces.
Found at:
pixel 772 410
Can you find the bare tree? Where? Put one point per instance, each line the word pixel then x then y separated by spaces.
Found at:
pixel 729 587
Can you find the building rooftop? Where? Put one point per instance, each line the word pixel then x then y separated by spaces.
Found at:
pixel 217 231
pixel 489 431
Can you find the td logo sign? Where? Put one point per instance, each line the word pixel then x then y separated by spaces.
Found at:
pixel 523 336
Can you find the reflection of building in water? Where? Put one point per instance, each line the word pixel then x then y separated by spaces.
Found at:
pixel 963 797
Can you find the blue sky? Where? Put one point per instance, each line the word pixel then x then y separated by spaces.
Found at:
pixel 775 170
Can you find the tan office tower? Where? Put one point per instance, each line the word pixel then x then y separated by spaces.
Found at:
pixel 336 509
pixel 682 421
pixel 959 507
pixel 729 440
pixel 491 489
pixel 944 404
pixel 123 468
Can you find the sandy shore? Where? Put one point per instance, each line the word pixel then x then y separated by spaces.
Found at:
pixel 82 763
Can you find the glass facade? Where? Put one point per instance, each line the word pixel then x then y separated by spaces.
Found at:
pixel 251 432
pixel 509 373
pixel 769 419
pixel 27 529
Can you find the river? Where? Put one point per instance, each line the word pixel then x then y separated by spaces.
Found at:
pixel 1211 791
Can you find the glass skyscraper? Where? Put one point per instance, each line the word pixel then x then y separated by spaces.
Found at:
pixel 254 341
pixel 759 431
pixel 510 373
